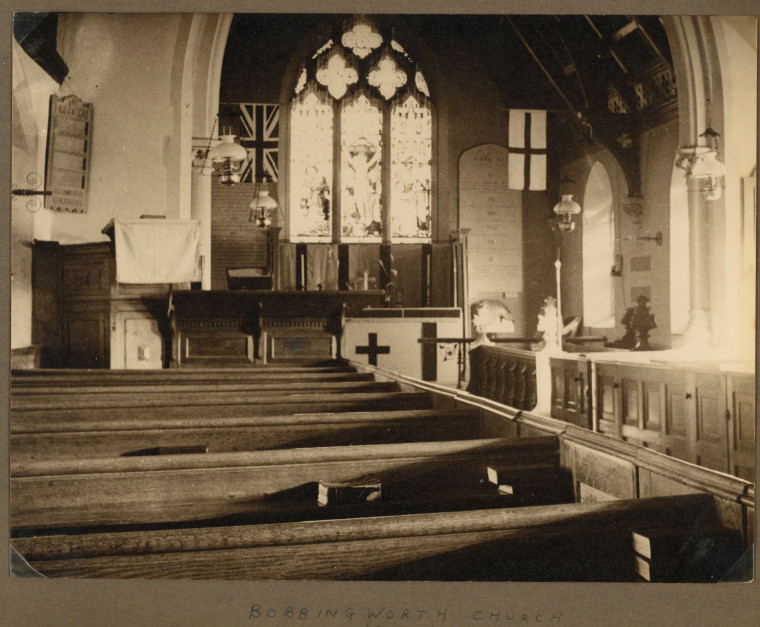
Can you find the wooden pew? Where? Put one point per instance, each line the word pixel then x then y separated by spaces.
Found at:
pixel 181 488
pixel 54 438
pixel 570 542
pixel 140 396
pixel 93 383
pixel 684 552
pixel 81 507
pixel 293 402
pixel 44 377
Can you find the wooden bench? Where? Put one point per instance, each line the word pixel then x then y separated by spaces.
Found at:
pixel 141 396
pixel 53 437
pixel 44 377
pixel 569 542
pixel 293 402
pixel 193 487
pixel 108 480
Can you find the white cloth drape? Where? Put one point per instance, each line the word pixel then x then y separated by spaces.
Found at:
pixel 157 251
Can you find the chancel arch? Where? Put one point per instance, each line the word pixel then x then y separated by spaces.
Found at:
pixel 711 95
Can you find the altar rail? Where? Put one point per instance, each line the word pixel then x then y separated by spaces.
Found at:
pixel 505 375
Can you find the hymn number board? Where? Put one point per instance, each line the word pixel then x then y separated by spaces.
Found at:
pixel 493 213
pixel 68 154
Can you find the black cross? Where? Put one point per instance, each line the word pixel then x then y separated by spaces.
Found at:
pixel 373 350
pixel 527 151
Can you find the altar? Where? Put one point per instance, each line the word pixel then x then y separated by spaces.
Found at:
pixel 259 327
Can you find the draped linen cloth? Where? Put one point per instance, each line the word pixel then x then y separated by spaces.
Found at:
pixel 322 270
pixel 157 251
pixel 361 258
pixel 287 267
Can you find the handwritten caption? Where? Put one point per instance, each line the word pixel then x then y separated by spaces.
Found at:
pixel 385 616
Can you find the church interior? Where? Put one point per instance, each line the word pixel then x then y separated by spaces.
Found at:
pixel 448 297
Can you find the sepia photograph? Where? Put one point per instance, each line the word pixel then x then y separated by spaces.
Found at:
pixel 443 303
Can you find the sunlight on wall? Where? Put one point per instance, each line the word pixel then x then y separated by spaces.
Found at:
pixel 679 253
pixel 598 250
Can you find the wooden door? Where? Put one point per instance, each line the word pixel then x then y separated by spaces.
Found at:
pixel 86 339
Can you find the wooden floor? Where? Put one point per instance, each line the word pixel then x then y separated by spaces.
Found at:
pixel 316 473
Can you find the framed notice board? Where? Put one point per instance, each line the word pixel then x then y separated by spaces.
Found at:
pixel 68 154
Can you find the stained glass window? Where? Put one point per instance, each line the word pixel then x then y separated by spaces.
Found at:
pixel 411 170
pixel 311 141
pixel 360 124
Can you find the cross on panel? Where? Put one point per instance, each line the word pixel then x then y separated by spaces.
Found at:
pixel 372 350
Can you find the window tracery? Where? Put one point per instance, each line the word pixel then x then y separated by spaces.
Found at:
pixel 362 40
pixel 387 77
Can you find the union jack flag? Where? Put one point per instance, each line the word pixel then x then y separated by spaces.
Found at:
pixel 257 126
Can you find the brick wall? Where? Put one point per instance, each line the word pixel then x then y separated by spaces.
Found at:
pixel 236 242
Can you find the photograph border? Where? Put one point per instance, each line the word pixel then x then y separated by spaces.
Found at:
pixel 128 602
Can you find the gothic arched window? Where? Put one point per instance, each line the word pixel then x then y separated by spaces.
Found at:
pixel 361 143
pixel 598 250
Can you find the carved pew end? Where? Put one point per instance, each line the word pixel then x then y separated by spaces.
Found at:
pixel 544 482
pixel 685 554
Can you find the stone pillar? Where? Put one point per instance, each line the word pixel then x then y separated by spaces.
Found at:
pixel 200 209
pixel 698 332
pixel 701 168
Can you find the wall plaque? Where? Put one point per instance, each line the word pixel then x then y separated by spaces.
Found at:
pixel 68 154
pixel 493 213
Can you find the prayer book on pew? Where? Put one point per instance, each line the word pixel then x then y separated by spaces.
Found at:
pixel 362 490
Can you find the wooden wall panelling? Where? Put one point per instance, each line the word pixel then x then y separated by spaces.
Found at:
pixel 298 342
pixel 563 397
pixel 608 400
pixel 604 474
pixel 86 271
pixel 571 392
pixel 204 342
pixel 740 389
pixel 709 409
pixel 678 426
pixel 441 292
pixel 583 388
pixel 630 405
pixel 46 319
